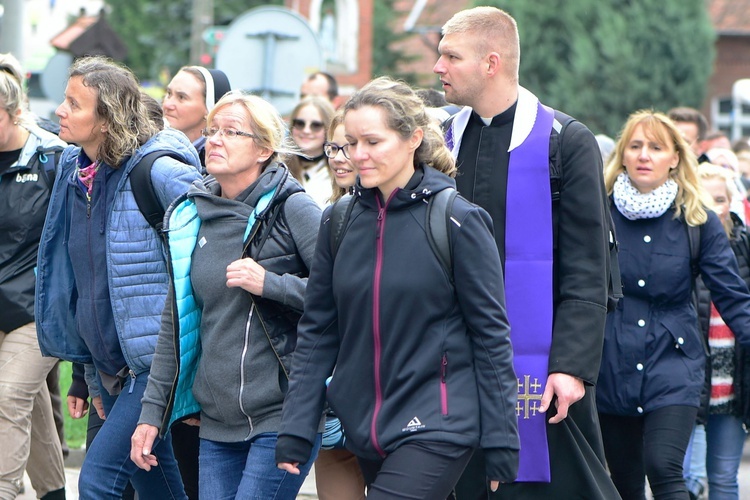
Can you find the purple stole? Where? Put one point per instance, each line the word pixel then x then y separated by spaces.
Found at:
pixel 528 288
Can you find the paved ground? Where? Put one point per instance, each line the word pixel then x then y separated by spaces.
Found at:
pixel 308 489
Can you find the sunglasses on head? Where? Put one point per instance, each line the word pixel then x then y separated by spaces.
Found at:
pixel 315 126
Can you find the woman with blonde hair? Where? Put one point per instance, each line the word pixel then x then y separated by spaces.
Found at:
pixel 309 124
pixel 423 362
pixel 240 249
pixel 27 169
pixel 725 408
pixel 652 370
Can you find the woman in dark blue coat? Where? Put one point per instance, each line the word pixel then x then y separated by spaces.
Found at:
pixel 654 358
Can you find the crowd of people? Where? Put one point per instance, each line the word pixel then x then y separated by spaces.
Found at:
pixel 430 295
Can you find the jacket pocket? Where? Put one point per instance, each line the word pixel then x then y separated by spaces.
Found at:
pixel 684 334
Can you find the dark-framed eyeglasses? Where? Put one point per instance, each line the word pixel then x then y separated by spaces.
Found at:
pixel 315 126
pixel 226 132
pixel 331 149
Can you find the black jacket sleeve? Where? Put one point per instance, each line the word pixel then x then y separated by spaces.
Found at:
pixel 314 357
pixel 581 259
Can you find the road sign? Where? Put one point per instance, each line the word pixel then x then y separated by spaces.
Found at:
pixel 213 35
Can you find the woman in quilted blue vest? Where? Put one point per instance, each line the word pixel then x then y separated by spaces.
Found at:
pixel 102 277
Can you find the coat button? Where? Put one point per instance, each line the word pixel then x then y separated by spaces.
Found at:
pixel 680 340
pixel 647 239
pixel 640 410
pixel 639 367
pixel 641 283
pixel 641 322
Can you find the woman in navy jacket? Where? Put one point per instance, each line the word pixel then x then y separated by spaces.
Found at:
pixel 424 370
pixel 653 363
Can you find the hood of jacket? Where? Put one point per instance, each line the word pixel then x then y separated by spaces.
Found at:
pixel 275 176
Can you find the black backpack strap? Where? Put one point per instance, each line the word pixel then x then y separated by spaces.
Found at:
pixel 143 188
pixel 438 222
pixel 48 159
pixel 340 213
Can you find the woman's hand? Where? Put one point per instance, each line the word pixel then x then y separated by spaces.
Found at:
pixel 141 444
pixel 77 407
pixel 246 274
pixel 291 468
pixel 97 402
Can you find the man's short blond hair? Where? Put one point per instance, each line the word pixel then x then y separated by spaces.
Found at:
pixel 495 30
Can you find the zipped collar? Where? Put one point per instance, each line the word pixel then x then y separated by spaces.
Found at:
pixel 424 183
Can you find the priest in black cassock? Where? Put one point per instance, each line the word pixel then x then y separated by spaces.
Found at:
pixel 554 253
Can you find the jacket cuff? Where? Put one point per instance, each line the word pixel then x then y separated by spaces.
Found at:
pixel 78 389
pixel 501 464
pixel 292 449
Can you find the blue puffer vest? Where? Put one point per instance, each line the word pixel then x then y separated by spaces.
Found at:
pixel 137 273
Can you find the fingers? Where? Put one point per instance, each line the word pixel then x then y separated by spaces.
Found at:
pixel 290 468
pixel 77 407
pixel 141 444
pixel 549 393
pixel 195 422
pixel 97 402
pixel 494 485
pixel 562 412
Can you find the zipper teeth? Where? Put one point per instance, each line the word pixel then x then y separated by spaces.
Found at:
pixel 242 368
pixel 443 384
pixel 376 322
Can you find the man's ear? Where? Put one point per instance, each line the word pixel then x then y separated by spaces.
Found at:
pixel 493 63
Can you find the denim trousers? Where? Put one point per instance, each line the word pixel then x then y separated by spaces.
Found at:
pixel 107 467
pixel 694 466
pixel 27 426
pixel 725 438
pixel 247 470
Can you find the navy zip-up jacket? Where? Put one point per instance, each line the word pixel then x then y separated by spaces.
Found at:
pixel 415 358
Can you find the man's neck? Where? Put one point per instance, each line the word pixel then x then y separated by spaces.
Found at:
pixel 495 101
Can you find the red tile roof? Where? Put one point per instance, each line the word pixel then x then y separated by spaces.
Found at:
pixel 730 17
pixel 63 39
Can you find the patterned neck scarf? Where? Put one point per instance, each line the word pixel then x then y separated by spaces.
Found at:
pixel 86 176
pixel 636 205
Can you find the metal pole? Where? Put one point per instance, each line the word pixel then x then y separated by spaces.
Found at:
pixel 203 17
pixel 11 34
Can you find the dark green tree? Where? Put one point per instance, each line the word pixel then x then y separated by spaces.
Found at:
pixel 386 58
pixel 600 60
pixel 157 32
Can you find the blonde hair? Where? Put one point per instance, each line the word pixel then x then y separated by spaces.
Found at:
pixel 326 111
pixel 712 171
pixel 494 30
pixel 691 198
pixel 405 113
pixel 119 104
pixel 265 122
pixel 336 191
pixel 12 91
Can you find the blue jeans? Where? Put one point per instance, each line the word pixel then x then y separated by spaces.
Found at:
pixel 694 466
pixel 725 438
pixel 107 467
pixel 247 470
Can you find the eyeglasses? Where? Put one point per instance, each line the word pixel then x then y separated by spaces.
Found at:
pixel 331 150
pixel 315 126
pixel 226 132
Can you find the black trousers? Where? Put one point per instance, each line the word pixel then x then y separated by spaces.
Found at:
pixel 417 470
pixel 651 445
